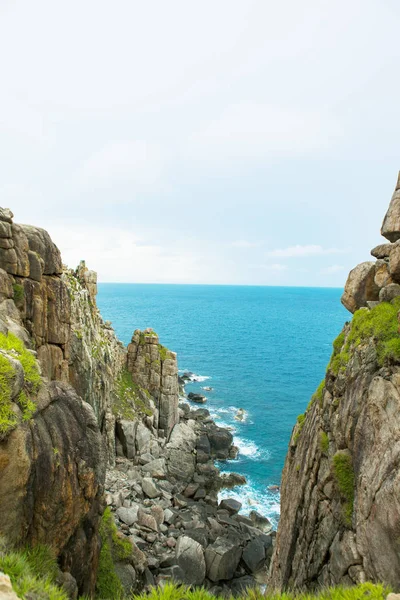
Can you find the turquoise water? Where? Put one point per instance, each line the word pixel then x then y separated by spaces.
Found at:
pixel 263 349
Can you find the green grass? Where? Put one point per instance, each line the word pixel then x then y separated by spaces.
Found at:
pixel 32 573
pixel 323 442
pixel 15 348
pixel 163 351
pixel 344 476
pixel 113 549
pixel 363 591
pixel 380 324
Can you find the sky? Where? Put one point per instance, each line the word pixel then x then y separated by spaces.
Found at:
pixel 223 141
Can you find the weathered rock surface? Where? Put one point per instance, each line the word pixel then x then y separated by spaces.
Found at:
pixel 391 223
pixel 360 287
pixel 340 489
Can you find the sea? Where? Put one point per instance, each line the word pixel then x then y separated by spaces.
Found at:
pixel 260 349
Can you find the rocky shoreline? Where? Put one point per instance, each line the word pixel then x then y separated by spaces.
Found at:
pixel 165 500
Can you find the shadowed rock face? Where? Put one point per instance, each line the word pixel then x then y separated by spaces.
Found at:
pixel 340 507
pixel 52 471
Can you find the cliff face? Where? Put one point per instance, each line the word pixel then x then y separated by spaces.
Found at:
pixel 340 495
pixel 63 395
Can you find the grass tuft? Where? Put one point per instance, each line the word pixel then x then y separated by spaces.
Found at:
pixel 344 476
pixel 113 549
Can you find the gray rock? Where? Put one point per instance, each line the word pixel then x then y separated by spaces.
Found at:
pixel 143 437
pixel 190 558
pixel 146 520
pixel 181 464
pixel 222 559
pixel 158 514
pixel 389 292
pixel 231 505
pixel 156 468
pixel 127 576
pixel 260 522
pixel 126 433
pixel 254 555
pixel 129 516
pixel 150 488
pixel 220 442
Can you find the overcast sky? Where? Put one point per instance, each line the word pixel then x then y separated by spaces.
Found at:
pixel 223 141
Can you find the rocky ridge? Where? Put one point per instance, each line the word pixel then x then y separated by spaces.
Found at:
pixel 79 411
pixel 340 512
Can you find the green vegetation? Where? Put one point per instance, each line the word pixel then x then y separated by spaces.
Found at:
pixel 300 425
pixel 379 323
pixel 113 549
pixel 324 442
pixel 14 347
pixel 129 403
pixel 19 293
pixel 344 475
pixel 163 351
pixel 32 573
pixel 318 395
pixel 359 592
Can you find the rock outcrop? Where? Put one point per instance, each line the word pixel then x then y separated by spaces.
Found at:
pixel 64 394
pixel 340 510
pixel 368 281
pixel 75 402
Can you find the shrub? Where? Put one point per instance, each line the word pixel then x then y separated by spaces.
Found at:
pixel 16 349
pixel 379 323
pixel 32 572
pixel 113 549
pixel 344 475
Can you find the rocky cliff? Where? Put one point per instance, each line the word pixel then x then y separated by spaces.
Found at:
pixel 340 508
pixel 63 392
pixel 87 423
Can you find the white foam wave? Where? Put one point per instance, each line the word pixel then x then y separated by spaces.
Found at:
pixel 266 503
pixel 249 449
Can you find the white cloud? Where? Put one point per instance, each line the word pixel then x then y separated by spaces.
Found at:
pixel 332 269
pixel 277 267
pixel 245 244
pixel 264 130
pixel 118 161
pixel 299 251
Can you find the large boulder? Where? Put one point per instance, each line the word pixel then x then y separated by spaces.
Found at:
pixel 254 555
pixel 222 559
pixel 360 287
pixel 126 433
pixel 190 558
pixel 220 442
pixel 391 223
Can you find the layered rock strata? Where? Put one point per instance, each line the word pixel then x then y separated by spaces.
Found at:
pixel 340 511
pixel 73 400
